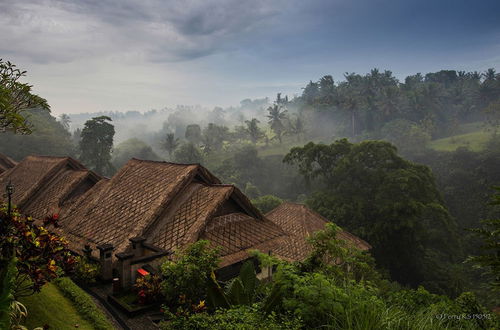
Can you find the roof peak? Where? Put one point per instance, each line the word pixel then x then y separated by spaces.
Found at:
pixel 163 162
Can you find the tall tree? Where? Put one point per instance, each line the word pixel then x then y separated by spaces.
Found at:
pixel 392 203
pixel 96 144
pixel 188 153
pixel 169 144
pixel 15 98
pixel 214 137
pixel 254 130
pixel 297 127
pixel 277 113
pixel 193 133
pixel 489 260
pixel 65 121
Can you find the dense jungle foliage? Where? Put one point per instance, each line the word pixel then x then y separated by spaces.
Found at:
pixel 362 152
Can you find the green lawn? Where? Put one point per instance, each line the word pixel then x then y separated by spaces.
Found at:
pixel 474 141
pixel 52 308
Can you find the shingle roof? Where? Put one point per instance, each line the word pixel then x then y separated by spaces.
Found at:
pixel 183 226
pixel 300 222
pixel 171 205
pixel 42 184
pixel 126 205
pixel 236 233
pixel 29 176
pixel 6 163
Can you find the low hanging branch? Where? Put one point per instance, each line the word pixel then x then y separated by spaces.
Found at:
pixel 15 98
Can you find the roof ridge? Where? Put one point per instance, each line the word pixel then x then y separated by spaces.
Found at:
pixel 164 162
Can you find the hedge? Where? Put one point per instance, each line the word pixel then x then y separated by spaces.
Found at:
pixel 84 303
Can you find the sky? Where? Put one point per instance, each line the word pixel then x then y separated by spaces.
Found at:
pixel 123 55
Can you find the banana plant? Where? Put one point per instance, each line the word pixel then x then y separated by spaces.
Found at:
pixel 241 290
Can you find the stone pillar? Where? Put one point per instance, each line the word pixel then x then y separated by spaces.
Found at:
pixel 87 252
pixel 137 246
pixel 124 269
pixel 106 259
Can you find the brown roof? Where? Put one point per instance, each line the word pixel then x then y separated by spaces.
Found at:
pixel 127 204
pixel 6 163
pixel 237 233
pixel 299 222
pixel 172 205
pixel 43 185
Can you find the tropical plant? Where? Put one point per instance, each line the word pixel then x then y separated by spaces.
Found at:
pixel 297 127
pixel 374 193
pixel 15 98
pixel 489 260
pixel 185 277
pixel 148 289
pixel 241 317
pixel 240 290
pixel 40 255
pixel 277 114
pixel 7 276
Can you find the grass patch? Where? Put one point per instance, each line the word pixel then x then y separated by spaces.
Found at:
pixel 51 307
pixel 86 305
pixel 475 141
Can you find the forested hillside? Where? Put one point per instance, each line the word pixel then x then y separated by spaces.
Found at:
pixel 366 152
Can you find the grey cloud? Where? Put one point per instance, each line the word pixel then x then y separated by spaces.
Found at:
pixel 63 30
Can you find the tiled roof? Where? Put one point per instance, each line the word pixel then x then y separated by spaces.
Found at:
pixel 29 176
pixel 126 205
pixel 184 225
pixel 6 163
pixel 299 222
pixel 42 184
pixel 172 205
pixel 51 200
pixel 236 233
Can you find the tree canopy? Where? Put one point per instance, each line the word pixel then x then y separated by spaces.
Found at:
pixel 15 99
pixel 96 144
pixel 392 203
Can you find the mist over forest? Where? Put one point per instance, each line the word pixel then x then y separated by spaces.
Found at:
pixel 409 167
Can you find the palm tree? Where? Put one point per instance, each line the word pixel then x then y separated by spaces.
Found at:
pixel 65 121
pixel 170 143
pixel 253 130
pixel 276 114
pixel 297 127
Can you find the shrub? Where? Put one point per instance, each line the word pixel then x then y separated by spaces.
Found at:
pixel 241 317
pixel 86 305
pixel 148 289
pixel 465 310
pixel 41 255
pixel 185 278
pixel 414 300
pixel 86 272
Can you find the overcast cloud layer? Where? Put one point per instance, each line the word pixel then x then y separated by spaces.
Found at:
pixel 86 56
